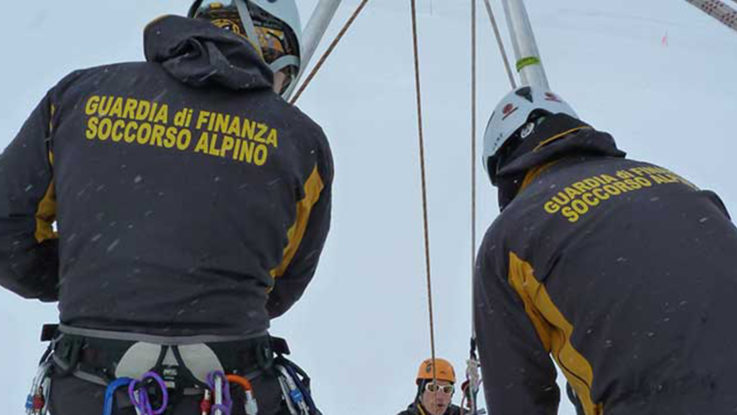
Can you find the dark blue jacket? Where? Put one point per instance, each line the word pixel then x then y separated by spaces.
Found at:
pixel 188 197
pixel 622 272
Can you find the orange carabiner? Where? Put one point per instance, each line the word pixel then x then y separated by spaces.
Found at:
pixel 251 406
pixel 240 380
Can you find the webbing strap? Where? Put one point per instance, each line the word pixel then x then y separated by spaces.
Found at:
pixel 245 15
pixel 150 338
pixel 188 364
pixel 284 61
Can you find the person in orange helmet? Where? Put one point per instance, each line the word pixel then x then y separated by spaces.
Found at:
pixel 435 388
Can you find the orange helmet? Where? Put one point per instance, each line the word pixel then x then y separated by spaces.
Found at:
pixel 443 371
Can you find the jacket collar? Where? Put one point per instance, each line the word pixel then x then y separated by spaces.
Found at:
pixel 557 137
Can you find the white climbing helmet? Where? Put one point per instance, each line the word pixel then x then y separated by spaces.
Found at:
pixel 272 26
pixel 512 114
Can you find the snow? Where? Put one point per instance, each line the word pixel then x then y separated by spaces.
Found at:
pixel 361 329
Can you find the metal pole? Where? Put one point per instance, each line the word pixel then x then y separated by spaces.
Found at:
pixel 316 28
pixel 717 10
pixel 311 37
pixel 529 64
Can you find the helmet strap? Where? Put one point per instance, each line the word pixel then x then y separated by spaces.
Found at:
pixel 420 390
pixel 193 9
pixel 248 25
pixel 284 61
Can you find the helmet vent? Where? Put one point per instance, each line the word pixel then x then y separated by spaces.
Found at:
pixel 525 93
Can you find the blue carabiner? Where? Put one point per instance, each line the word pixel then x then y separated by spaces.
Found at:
pixel 110 393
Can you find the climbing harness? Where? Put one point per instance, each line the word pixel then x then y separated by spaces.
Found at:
pixel 156 371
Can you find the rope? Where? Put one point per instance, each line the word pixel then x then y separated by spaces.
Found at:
pixel 500 44
pixel 424 183
pixel 473 134
pixel 471 401
pixel 473 177
pixel 327 53
pixel 469 395
pixel 473 166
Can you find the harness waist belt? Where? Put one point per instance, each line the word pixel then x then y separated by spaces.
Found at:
pixel 101 356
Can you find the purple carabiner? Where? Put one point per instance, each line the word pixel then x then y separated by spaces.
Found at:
pixel 227 406
pixel 141 400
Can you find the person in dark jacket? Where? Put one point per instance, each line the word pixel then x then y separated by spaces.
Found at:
pixel 620 271
pixel 172 207
pixel 435 388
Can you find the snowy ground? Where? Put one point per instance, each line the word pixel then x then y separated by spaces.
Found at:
pixel 362 329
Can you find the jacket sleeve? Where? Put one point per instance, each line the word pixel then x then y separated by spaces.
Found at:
pixel 519 375
pixel 28 244
pixel 306 237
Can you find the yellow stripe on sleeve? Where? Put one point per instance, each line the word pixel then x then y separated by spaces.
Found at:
pixel 312 188
pixel 554 331
pixel 46 215
pixel 46 210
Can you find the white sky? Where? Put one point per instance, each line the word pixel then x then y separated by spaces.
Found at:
pixel 361 329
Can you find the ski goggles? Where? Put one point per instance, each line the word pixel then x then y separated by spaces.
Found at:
pixel 433 387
